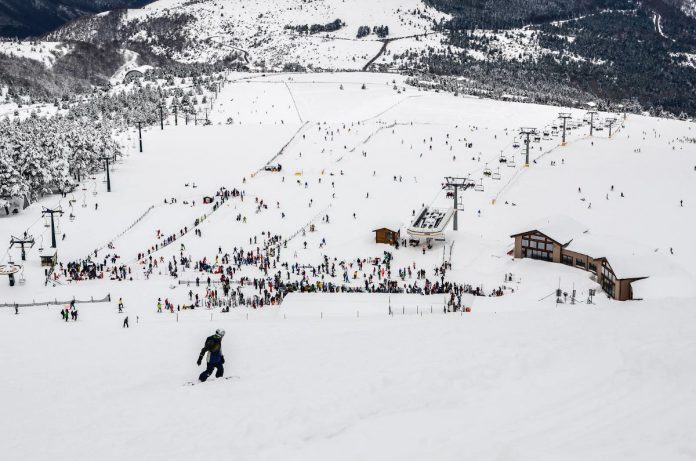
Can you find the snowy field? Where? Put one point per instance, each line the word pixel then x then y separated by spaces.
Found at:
pixel 333 375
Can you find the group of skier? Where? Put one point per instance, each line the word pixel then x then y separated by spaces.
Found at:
pixel 69 312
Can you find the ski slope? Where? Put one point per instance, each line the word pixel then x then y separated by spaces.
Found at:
pixel 333 375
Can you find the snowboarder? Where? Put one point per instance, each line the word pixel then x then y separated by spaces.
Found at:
pixel 215 359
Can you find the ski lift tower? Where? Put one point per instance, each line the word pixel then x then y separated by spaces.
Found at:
pixel 107 159
pixel 46 212
pixel 27 240
pixel 610 124
pixel 528 132
pixel 140 133
pixel 565 116
pixel 591 113
pixel 456 184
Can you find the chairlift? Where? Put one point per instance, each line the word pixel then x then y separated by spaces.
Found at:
pixel 502 158
pixel 479 187
pixel 46 223
pixel 515 145
pixel 511 162
pixel 496 175
pixel 486 171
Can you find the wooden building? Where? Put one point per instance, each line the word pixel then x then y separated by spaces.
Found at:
pixel 388 236
pixel 49 259
pixel 567 243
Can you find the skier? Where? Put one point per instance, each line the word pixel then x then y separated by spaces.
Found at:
pixel 215 359
pixel 125 323
pixel 120 305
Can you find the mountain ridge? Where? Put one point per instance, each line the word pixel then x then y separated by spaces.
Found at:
pixel 32 18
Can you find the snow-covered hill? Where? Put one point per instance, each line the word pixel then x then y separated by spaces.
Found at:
pixel 42 51
pixel 333 375
pixel 209 30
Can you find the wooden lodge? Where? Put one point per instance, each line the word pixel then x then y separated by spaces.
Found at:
pixel 568 244
pixel 388 236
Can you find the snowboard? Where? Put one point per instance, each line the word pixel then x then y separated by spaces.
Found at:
pixel 197 382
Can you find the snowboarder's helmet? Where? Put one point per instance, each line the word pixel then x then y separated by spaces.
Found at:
pixel 220 332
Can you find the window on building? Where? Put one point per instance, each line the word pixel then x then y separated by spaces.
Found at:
pixel 579 262
pixel 565 259
pixel 608 280
pixel 536 254
pixel 537 247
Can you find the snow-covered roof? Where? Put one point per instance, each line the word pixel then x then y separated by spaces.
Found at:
pixel 560 228
pixel 627 259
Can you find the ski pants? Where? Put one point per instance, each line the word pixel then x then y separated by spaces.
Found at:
pixel 209 371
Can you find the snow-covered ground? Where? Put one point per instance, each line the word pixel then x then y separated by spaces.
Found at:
pixel 334 376
pixel 259 28
pixel 45 52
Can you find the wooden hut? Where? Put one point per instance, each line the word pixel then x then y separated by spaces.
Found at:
pixel 388 236
pixel 49 259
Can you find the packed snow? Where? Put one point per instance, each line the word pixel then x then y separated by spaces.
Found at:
pixel 359 375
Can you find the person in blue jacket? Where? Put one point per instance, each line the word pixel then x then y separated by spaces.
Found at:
pixel 215 359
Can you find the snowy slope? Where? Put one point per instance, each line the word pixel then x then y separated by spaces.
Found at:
pixel 333 376
pixel 44 52
pixel 214 29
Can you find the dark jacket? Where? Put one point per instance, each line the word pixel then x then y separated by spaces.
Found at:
pixel 213 346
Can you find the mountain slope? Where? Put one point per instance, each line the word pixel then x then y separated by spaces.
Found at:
pixel 23 18
pixel 639 54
